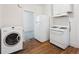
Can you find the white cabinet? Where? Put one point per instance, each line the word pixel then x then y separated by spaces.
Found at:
pixel 61 9
pixel 59 38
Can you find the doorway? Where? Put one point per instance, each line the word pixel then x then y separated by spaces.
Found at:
pixel 28 24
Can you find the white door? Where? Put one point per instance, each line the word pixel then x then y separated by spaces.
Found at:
pixel 28 21
pixel 41 27
pixel 44 27
pixel 28 24
pixel 36 27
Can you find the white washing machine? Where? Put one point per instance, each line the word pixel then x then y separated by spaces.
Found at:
pixel 11 39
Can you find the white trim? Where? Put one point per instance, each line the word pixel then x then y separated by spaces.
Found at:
pixel 76 45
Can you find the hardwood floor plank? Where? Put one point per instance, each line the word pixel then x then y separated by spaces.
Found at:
pixel 35 47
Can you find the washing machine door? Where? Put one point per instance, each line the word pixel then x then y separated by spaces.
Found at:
pixel 12 39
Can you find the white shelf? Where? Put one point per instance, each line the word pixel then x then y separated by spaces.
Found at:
pixel 61 15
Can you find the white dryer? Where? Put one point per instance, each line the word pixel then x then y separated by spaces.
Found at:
pixel 11 39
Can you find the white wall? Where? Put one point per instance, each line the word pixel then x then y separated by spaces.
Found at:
pixel 74 35
pixel 0 14
pixel 36 8
pixel 47 9
pixel 12 15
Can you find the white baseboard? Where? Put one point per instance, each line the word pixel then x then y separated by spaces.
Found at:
pixel 76 45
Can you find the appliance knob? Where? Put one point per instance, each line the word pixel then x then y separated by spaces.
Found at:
pixel 13 28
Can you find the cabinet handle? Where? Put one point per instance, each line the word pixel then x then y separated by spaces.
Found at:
pixel 69 26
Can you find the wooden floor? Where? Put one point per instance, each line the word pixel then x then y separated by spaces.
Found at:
pixel 35 47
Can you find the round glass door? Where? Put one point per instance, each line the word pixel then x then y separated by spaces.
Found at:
pixel 12 39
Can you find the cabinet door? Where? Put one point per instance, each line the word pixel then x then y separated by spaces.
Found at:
pixel 57 36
